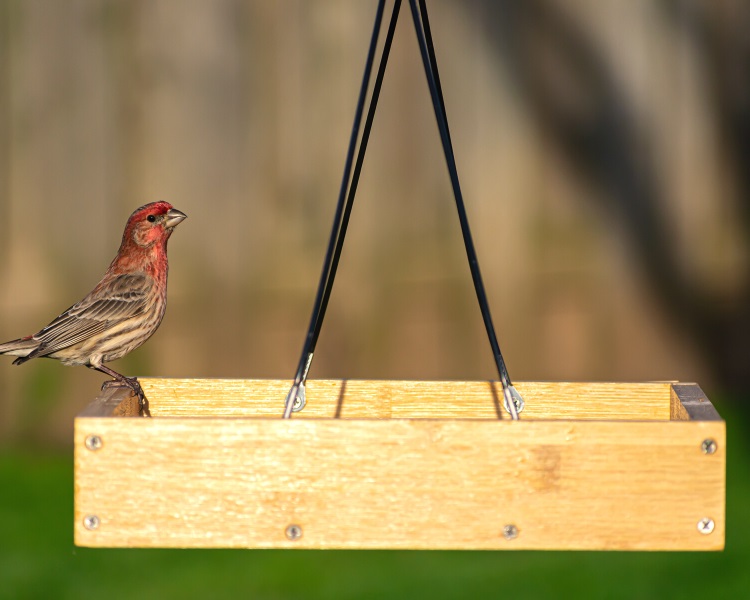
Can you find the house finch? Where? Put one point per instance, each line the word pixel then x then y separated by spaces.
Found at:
pixel 121 312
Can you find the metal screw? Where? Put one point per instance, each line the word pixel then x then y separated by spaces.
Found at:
pixel 299 401
pixel 91 522
pixel 93 442
pixel 709 446
pixel 518 400
pixel 510 532
pixel 706 525
pixel 293 532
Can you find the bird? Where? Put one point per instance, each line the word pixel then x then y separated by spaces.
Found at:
pixel 122 311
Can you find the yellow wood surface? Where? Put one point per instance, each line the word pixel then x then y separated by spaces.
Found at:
pixel 447 481
pixel 361 399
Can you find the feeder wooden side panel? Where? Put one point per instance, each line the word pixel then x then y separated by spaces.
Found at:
pixel 362 399
pixel 187 482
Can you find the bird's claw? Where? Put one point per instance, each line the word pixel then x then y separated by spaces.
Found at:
pixel 135 387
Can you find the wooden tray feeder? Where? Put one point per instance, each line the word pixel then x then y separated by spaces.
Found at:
pixel 401 464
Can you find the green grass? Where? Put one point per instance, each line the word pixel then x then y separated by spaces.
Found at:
pixel 38 559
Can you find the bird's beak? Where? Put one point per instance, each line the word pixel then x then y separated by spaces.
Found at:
pixel 174 218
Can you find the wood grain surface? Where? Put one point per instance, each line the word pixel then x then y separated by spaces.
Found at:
pixel 206 472
pixel 363 399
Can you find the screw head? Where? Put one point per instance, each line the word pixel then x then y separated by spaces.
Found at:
pixel 91 522
pixel 300 400
pixel 518 400
pixel 706 525
pixel 293 532
pixel 510 532
pixel 93 442
pixel 709 446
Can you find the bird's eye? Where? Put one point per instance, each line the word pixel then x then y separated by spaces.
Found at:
pixel 151 218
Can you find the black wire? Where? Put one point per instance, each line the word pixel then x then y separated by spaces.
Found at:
pixel 357 168
pixel 344 209
pixel 339 220
pixel 433 65
pixel 427 51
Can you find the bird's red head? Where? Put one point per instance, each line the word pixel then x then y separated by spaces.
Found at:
pixel 152 223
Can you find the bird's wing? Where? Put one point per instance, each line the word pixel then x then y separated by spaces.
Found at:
pixel 124 297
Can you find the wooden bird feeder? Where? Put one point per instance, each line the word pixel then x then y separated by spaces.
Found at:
pixel 402 464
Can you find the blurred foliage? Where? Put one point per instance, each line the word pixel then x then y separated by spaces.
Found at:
pixel 38 395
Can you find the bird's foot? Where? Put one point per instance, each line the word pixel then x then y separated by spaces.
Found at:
pixel 132 383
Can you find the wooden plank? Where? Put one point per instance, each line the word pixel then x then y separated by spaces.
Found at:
pixel 356 399
pixel 435 480
pixel 369 483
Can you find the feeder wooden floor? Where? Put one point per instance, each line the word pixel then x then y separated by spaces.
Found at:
pixel 402 464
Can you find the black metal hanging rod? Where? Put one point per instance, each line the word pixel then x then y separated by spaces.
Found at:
pixel 296 398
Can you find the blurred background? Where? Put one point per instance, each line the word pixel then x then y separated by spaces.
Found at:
pixel 603 153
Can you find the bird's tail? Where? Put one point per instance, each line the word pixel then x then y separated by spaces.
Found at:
pixel 21 348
